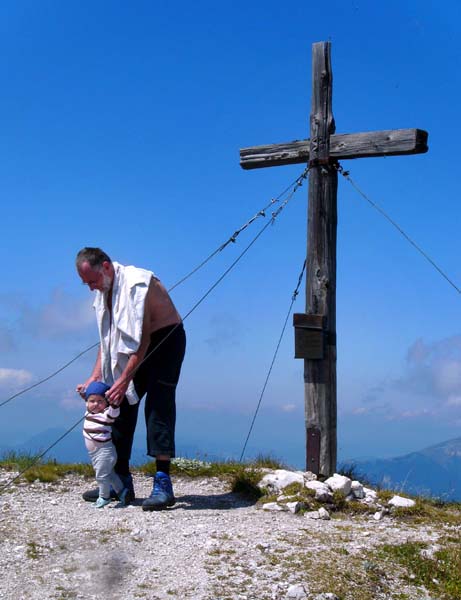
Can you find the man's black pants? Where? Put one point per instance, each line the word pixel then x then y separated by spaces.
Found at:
pixel 157 377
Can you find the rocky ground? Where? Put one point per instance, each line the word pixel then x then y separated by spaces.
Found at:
pixel 212 545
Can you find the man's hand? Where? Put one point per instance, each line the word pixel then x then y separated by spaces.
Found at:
pixel 81 388
pixel 117 392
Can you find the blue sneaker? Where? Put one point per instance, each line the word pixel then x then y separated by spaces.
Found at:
pixel 162 493
pixel 101 502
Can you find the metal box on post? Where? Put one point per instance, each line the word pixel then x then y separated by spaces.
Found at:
pixel 309 336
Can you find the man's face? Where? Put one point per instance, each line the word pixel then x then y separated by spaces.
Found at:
pixel 96 278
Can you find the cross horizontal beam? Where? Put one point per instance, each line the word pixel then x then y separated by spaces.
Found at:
pixel 393 142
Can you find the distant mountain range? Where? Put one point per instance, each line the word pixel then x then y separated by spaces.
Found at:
pixel 434 471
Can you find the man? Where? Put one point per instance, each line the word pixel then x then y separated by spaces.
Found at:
pixel 142 346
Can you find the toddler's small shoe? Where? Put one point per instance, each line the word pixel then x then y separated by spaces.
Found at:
pixel 101 502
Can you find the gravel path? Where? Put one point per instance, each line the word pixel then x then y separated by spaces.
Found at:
pixel 211 545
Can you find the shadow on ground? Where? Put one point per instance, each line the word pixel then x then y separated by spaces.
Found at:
pixel 225 501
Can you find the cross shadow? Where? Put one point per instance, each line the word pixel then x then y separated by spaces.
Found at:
pixel 225 501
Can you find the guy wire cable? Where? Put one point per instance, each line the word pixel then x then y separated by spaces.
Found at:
pixel 49 376
pixel 297 183
pixel 39 457
pixel 233 237
pixel 196 305
pixel 346 175
pixel 295 293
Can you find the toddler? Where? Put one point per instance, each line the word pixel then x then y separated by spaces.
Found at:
pixel 97 432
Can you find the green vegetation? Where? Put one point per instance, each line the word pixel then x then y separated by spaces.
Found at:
pixel 34 468
pixel 430 511
pixel 439 572
pixel 33 550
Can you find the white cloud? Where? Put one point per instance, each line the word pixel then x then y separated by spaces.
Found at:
pixel 413 414
pixel 360 410
pixel 288 407
pixel 13 377
pixel 429 385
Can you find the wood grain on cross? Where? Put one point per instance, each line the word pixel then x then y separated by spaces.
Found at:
pixel 315 330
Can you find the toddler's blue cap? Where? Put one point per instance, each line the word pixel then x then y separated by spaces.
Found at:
pixel 96 387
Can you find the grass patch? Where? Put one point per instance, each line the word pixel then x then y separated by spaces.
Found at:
pixel 34 550
pixel 263 461
pixel 430 511
pixel 13 461
pixel 440 574
pixel 245 482
pixel 385 495
pixel 355 508
pixel 34 468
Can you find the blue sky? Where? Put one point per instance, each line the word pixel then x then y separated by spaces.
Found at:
pixel 121 125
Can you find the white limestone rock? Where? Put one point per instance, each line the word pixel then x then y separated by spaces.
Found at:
pixel 401 502
pixel 357 490
pixel 294 507
pixel 339 483
pixel 323 514
pixel 279 479
pixel 322 491
pixel 297 591
pixel 274 507
pixel 312 514
pixel 371 496
pixel 379 515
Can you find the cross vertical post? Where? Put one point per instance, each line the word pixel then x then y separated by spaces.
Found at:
pixel 320 373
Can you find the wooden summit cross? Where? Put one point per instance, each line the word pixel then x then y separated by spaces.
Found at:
pixel 315 330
